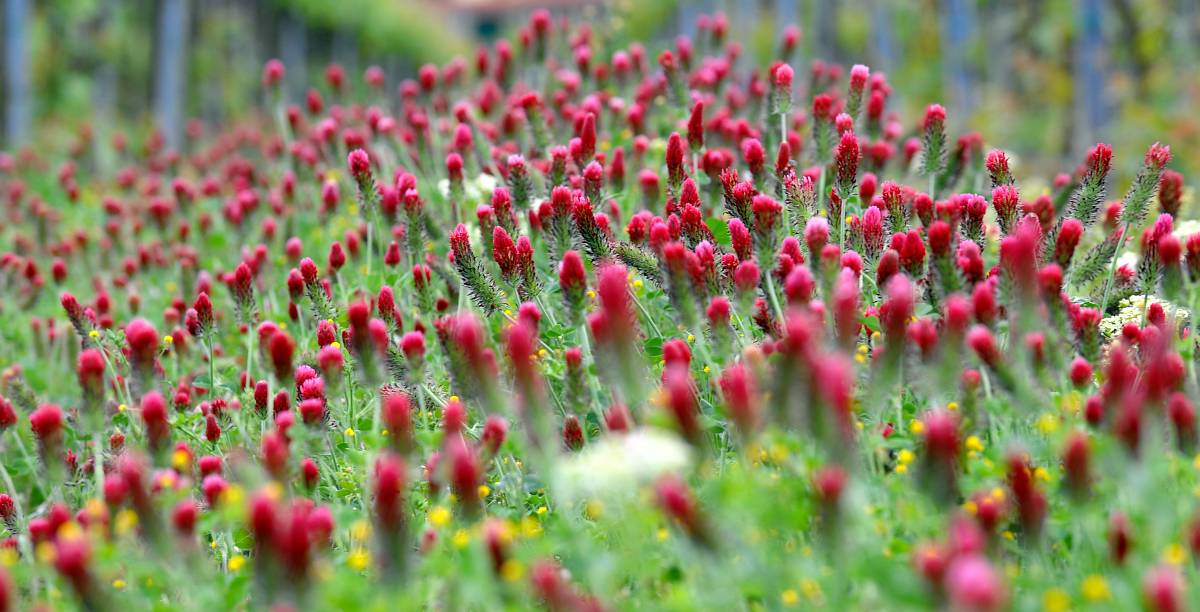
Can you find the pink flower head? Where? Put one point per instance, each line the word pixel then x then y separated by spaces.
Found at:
pixel 359 164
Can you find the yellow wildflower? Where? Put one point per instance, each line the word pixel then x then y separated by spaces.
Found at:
pixel 439 516
pixel 358 560
pixel 789 597
pixel 1056 600
pixel 1095 588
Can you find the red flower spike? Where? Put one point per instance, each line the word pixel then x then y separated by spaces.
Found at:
pixel 972 584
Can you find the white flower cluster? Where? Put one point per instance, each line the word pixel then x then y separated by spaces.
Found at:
pixel 1184 229
pixel 618 466
pixel 1132 309
pixel 478 189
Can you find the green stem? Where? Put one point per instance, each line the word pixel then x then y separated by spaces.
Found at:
pixel 774 298
pixel 1112 270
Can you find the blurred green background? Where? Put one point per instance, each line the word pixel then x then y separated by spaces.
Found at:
pixel 1043 78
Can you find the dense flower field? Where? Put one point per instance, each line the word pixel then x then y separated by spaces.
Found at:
pixel 585 328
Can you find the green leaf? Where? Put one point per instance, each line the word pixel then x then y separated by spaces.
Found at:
pixel 872 323
pixel 653 347
pixel 720 231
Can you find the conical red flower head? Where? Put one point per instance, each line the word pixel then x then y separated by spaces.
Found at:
pixel 47 422
pixel 1158 155
pixel 142 339
pixel 997 166
pixel 1076 463
pixel 740 392
pixel 1080 372
pixel 154 417
pixel 391 480
pixel 495 431
pixel 676 501
pixel 972 584
pixel 695 127
pixel 465 473
pixel 273 72
pixel 935 117
pixel 1170 192
pixel 460 240
pixel 571 274
pixel 1163 590
pixel 829 482
pixel 941 435
pixel 90 370
pixel 359 164
pixel 281 348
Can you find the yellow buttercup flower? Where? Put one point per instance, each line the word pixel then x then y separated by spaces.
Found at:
pixel 439 516
pixel 461 538
pixel 530 527
pixel 358 560
pixel 1095 588
pixel 1175 554
pixel 789 597
pixel 1047 423
pixel 1056 600
pixel 512 570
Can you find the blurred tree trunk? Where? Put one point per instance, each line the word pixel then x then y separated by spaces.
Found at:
pixel 345 52
pixel 1185 31
pixel 785 15
pixel 883 45
pixel 826 35
pixel 293 51
pixel 997 39
pixel 106 73
pixel 105 86
pixel 958 28
pixel 18 109
pixel 685 17
pixel 1091 109
pixel 170 70
pixel 1131 32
